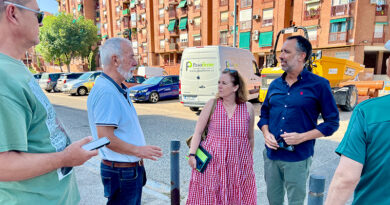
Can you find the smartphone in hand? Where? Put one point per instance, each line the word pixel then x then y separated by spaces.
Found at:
pixel 96 144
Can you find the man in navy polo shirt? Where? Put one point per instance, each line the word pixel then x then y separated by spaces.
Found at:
pixel 111 114
pixel 289 123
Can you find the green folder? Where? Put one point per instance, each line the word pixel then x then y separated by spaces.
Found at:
pixel 202 159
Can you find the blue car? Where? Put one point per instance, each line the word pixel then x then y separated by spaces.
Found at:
pixel 156 88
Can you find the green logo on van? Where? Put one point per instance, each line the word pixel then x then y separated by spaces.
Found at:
pixel 188 65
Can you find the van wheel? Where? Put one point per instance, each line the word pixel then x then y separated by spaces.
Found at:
pixel 82 91
pixel 154 97
pixel 194 109
pixel 352 98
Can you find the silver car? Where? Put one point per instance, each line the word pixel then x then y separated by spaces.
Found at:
pixel 48 81
pixel 65 78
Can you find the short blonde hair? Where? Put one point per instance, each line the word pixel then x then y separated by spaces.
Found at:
pixel 242 92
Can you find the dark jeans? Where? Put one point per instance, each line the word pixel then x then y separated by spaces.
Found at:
pixel 122 186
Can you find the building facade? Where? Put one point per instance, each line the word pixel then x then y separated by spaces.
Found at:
pixel 161 29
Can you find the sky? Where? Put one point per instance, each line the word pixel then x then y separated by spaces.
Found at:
pixel 50 6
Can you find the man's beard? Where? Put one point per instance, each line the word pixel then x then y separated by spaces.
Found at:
pixel 124 74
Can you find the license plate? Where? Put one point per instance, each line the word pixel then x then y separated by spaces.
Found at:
pixel 190 98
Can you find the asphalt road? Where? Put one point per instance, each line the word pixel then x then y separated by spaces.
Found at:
pixel 161 123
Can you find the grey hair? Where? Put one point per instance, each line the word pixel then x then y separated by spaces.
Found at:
pixel 112 46
pixel 20 2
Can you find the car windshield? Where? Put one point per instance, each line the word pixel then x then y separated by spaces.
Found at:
pixel 45 76
pixel 153 80
pixel 84 76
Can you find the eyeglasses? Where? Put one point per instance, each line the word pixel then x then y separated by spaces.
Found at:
pixel 232 71
pixel 40 14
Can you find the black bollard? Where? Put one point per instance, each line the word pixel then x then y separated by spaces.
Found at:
pixel 316 190
pixel 175 173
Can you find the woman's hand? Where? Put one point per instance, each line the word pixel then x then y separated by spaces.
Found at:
pixel 192 162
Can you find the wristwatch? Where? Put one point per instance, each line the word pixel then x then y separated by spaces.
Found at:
pixel 191 155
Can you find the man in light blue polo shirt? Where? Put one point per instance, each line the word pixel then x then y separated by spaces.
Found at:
pixel 111 114
pixel 364 164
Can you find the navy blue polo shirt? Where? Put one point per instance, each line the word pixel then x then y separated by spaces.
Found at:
pixel 296 109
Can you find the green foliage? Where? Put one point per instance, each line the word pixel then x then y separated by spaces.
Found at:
pixel 32 70
pixel 64 38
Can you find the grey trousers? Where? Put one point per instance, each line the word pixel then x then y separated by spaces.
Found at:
pixel 291 176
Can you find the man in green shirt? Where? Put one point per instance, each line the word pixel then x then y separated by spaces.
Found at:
pixel 365 155
pixel 36 157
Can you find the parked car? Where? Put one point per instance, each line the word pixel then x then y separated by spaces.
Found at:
pixel 65 78
pixel 48 81
pixel 156 88
pixel 133 81
pixel 82 85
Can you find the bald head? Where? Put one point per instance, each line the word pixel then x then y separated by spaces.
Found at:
pixel 2 5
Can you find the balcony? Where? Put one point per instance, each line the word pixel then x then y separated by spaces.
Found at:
pixel 378 37
pixel 173 33
pixel 197 43
pixel 342 10
pixel 223 2
pixel 172 13
pixel 338 37
pixel 183 45
pixel 381 10
pixel 312 14
pixel 173 46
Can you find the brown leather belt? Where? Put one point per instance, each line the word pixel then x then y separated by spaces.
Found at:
pixel 122 164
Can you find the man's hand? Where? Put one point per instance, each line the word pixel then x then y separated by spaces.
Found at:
pixel 293 138
pixel 75 155
pixel 270 141
pixel 149 152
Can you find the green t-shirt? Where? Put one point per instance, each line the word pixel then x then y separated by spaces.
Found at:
pixel 28 123
pixel 367 141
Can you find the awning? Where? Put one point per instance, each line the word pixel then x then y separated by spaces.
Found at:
pixel 105 36
pixel 338 20
pixel 132 3
pixel 182 4
pixel 79 7
pixel 245 38
pixel 126 11
pixel 183 23
pixel 266 39
pixel 382 23
pixel 172 24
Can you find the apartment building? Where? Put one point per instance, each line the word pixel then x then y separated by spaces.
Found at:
pixel 161 29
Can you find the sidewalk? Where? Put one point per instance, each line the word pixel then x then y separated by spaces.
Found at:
pixel 91 188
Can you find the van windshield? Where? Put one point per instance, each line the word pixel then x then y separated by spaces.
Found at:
pixel 153 80
pixel 84 76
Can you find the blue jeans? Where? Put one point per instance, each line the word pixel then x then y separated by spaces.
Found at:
pixel 122 186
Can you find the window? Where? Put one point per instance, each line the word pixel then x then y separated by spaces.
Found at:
pixel 104 2
pixel 118 9
pixel 246 3
pixel 184 38
pixel 338 27
pixel 197 21
pixel 162 28
pixel 105 14
pixel 197 4
pixel 223 40
pixel 162 44
pixel 224 17
pixel 118 23
pixel 268 15
pixel 105 26
pixel 246 19
pixel 340 2
pixel 161 13
pixel 378 32
pixel 312 32
pixel 161 2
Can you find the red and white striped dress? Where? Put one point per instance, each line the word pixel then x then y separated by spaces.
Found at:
pixel 229 177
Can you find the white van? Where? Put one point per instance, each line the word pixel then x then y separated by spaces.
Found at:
pixel 201 67
pixel 148 72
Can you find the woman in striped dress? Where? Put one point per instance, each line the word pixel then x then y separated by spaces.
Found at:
pixel 229 177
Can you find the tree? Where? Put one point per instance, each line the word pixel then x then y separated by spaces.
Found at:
pixel 64 38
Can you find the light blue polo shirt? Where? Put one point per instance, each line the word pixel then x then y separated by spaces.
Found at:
pixel 107 106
